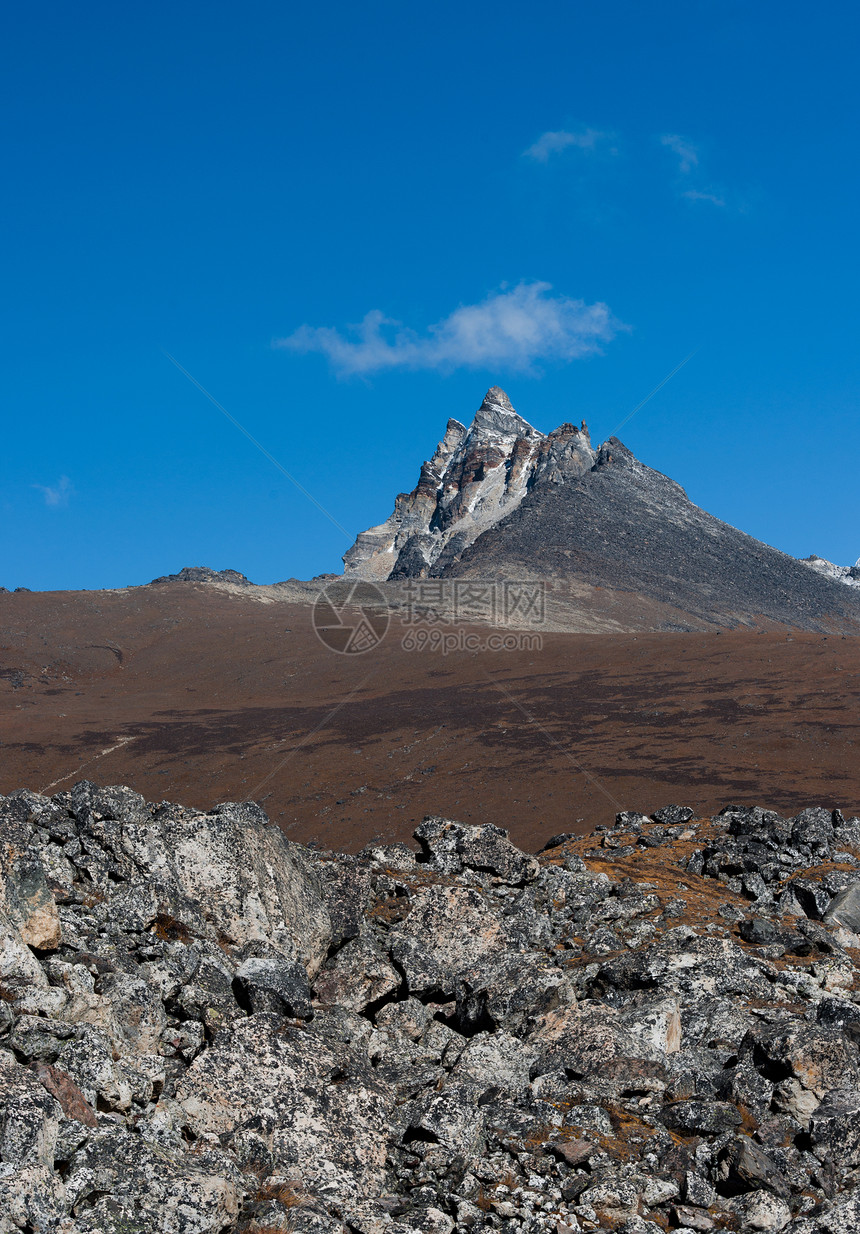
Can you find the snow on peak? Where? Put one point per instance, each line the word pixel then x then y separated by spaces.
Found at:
pixel 850 575
pixel 496 419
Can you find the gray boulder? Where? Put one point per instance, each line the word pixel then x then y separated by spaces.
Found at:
pixel 844 909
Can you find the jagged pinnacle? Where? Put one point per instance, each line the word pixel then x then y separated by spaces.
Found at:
pixel 496 397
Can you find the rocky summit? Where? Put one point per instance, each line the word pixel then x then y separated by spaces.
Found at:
pixel 476 477
pixel 501 500
pixel 206 1028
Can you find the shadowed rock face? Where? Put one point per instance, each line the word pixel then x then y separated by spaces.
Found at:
pixel 501 500
pixel 653 1026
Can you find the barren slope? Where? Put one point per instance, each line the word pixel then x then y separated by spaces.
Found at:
pixel 207 696
pixel 628 528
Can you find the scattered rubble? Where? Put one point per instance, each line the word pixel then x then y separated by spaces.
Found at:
pixel 206 1028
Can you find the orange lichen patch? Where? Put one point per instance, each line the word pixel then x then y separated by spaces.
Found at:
pixel 169 929
pixel 763 1004
pixel 610 1219
pixel 663 868
pixel 225 942
pixel 254 1227
pixel 484 1200
pixel 749 1122
pixel 391 910
pixel 94 897
pixel 544 1133
pixel 290 1195
pixel 630 1135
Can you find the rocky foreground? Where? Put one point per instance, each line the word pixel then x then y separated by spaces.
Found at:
pixel 204 1027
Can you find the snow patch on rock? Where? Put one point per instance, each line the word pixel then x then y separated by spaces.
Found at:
pixel 850 575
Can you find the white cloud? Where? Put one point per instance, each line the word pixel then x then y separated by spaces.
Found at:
pixel 510 329
pixel 688 163
pixel 688 155
pixel 555 142
pixel 56 494
pixel 698 195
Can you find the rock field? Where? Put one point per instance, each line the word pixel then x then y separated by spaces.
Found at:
pixel 205 1027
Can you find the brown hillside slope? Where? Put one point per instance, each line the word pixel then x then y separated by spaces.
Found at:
pixel 205 696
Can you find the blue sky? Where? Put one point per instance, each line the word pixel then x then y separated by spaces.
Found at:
pixel 564 199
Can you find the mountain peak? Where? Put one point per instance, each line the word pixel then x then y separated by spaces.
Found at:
pixel 496 415
pixel 501 500
pixel 475 477
pixel 496 397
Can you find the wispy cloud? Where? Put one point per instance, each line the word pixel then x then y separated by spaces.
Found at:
pixel 512 330
pixel 700 195
pixel 688 165
pixel 56 494
pixel 688 154
pixel 691 182
pixel 562 139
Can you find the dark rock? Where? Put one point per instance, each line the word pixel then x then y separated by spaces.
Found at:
pixel 673 815
pixel 812 897
pixel 209 997
pixel 841 1217
pixel 697 1190
pixel 819 1058
pixel 834 1128
pixel 746 1167
pixel 630 820
pixel 837 1012
pixel 702 1117
pixel 264 983
pixel 359 976
pixel 758 931
pixel 449 847
pixel 203 574
pixel 813 828
pixel 557 841
pixel 346 889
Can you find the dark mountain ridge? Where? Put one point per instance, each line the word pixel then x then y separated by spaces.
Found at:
pixel 502 501
pixel 623 525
